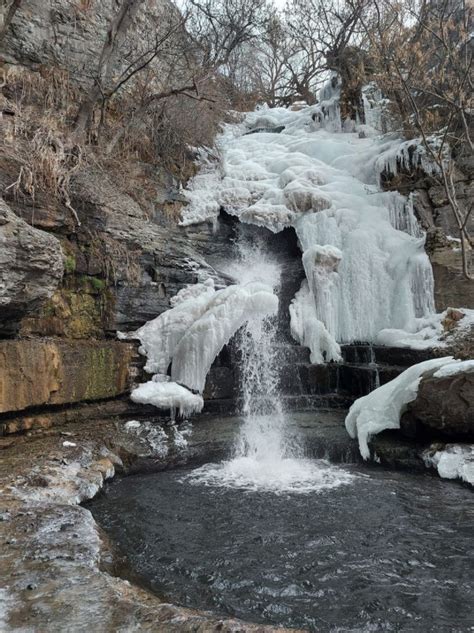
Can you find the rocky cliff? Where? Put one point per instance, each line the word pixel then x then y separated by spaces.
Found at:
pixel 108 256
pixel 106 253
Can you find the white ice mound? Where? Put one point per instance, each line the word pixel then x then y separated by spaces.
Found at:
pixel 381 409
pixel 168 395
pixel 190 335
pixel 454 461
pixel 326 186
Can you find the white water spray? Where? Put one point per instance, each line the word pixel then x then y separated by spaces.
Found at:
pixel 266 455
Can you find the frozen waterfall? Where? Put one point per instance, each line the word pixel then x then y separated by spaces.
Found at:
pixel 190 335
pixel 363 252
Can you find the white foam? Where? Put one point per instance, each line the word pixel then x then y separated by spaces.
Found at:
pixel 288 475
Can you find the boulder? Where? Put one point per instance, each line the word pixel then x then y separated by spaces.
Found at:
pixel 31 267
pixel 443 408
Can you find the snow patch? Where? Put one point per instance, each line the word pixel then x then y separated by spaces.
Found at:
pixel 381 409
pixel 454 461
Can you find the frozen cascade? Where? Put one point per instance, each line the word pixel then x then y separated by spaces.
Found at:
pixel 266 455
pixel 363 252
pixel 190 336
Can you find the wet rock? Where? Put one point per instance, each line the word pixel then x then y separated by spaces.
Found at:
pixel 390 449
pixel 31 267
pixel 444 407
pixel 48 372
pixel 220 383
pixel 53 553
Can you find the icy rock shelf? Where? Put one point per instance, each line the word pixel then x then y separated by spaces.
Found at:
pixel 190 335
pixel 368 277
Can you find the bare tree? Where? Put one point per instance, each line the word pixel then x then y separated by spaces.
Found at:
pixel 106 64
pixel 321 32
pixel 10 12
pixel 220 27
pixel 424 65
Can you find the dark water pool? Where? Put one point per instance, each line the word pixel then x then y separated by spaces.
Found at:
pixel 388 552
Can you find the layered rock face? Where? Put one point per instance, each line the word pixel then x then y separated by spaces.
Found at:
pixel 71 34
pixel 452 289
pixel 31 268
pixel 123 257
pixel 53 372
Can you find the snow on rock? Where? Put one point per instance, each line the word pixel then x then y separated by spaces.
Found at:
pixel 454 461
pixel 451 370
pixel 381 409
pixel 168 395
pixel 190 335
pixel 428 332
pixel 325 184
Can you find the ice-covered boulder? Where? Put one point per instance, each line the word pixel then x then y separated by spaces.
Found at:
pixel 382 408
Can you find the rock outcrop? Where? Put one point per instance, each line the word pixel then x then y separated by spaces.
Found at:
pixel 71 34
pixel 52 372
pixel 443 408
pixel 31 268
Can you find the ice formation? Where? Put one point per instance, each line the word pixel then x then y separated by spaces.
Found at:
pixel 454 461
pixel 381 409
pixel 428 332
pixel 190 335
pixel 466 366
pixel 362 249
pixel 168 395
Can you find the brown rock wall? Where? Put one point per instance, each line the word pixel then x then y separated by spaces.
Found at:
pixel 51 372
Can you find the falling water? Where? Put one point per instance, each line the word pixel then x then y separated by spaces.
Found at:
pixel 263 436
pixel 268 452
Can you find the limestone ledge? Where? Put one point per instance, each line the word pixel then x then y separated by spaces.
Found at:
pixel 57 566
pixel 41 372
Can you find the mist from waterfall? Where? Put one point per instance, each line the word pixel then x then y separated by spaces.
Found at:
pixel 267 454
pixel 262 436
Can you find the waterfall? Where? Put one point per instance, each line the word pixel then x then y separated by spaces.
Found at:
pixel 266 455
pixel 262 436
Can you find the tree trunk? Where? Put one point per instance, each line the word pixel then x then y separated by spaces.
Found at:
pixel 115 35
pixel 8 18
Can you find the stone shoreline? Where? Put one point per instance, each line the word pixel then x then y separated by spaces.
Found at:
pixel 56 564
pixel 58 569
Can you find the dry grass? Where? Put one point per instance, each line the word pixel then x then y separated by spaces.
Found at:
pixel 35 136
pixel 39 144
